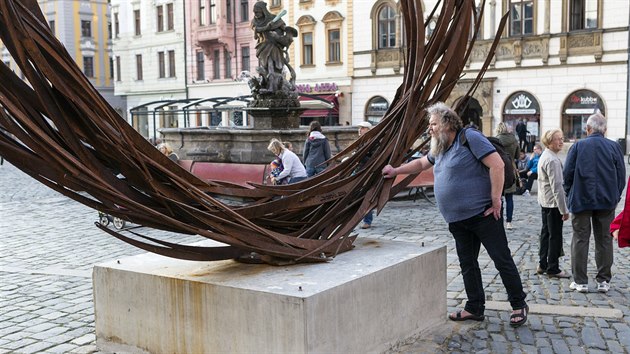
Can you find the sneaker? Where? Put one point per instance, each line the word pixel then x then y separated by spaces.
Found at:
pixel 366 226
pixel 603 287
pixel 526 193
pixel 508 226
pixel 583 288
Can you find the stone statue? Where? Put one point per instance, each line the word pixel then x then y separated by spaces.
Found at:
pixel 271 88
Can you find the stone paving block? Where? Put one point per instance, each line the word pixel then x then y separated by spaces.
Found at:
pixel 85 339
pixel 15 344
pixel 592 338
pixel 62 348
pixel 53 332
pixel 36 347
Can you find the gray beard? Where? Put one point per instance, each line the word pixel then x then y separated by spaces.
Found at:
pixel 439 144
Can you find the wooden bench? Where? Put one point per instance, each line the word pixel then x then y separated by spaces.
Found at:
pixel 229 172
pixel 420 184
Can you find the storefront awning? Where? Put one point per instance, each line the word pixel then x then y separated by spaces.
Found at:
pixel 319 105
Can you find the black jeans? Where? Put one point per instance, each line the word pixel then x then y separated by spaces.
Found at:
pixel 530 179
pixel 550 240
pixel 469 235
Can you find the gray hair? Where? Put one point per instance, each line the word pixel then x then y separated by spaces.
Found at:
pixel 597 122
pixel 448 117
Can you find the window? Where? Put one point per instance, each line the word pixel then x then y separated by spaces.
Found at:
pixel 51 24
pixel 138 66
pixel 160 19
pixel 116 25
pixel 228 64
pixel 213 13
pixel 118 76
pixel 171 63
pixel 161 65
pixel 201 62
pixel 386 27
pixel 202 13
pixel 111 67
pixel 521 18
pixel 88 66
pixel 244 10
pixel 228 11
pixel 334 46
pixel 275 3
pixel 86 29
pixel 109 30
pixel 136 19
pixel 583 14
pixel 170 24
pixel 376 108
pixel 216 65
pixel 244 58
pixel 307 48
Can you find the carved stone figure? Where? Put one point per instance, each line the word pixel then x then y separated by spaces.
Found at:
pixel 273 38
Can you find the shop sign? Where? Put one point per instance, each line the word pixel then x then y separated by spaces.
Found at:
pixel 521 103
pixel 321 87
pixel 583 102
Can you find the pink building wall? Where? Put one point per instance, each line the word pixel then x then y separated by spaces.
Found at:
pixel 215 33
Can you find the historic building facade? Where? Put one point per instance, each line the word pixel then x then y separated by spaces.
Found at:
pixel 149 57
pixel 84 28
pixel 222 46
pixel 557 62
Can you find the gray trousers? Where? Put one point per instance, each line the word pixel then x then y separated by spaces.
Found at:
pixel 581 223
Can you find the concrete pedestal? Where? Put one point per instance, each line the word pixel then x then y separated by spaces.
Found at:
pixel 365 300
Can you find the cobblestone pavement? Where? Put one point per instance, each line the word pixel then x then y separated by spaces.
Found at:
pixel 48 246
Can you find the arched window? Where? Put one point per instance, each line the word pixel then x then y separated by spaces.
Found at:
pixel 576 110
pixel 306 25
pixel 333 21
pixel 386 27
pixel 375 109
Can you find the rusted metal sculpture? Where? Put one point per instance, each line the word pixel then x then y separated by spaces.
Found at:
pixel 59 130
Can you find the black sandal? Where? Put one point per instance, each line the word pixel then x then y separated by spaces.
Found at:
pixel 522 314
pixel 458 317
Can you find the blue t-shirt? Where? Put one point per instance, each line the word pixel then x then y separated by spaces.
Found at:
pixel 462 182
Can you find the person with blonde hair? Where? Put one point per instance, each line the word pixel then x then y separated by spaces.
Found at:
pixel 166 149
pixel 510 145
pixel 553 205
pixel 293 170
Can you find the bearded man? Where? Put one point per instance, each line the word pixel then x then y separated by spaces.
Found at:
pixel 468 186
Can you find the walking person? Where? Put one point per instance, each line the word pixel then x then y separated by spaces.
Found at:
pixel 472 207
pixel 553 205
pixel 594 178
pixel 510 145
pixel 316 150
pixel 521 131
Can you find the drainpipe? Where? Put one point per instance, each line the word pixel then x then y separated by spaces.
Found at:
pixel 234 32
pixel 185 66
